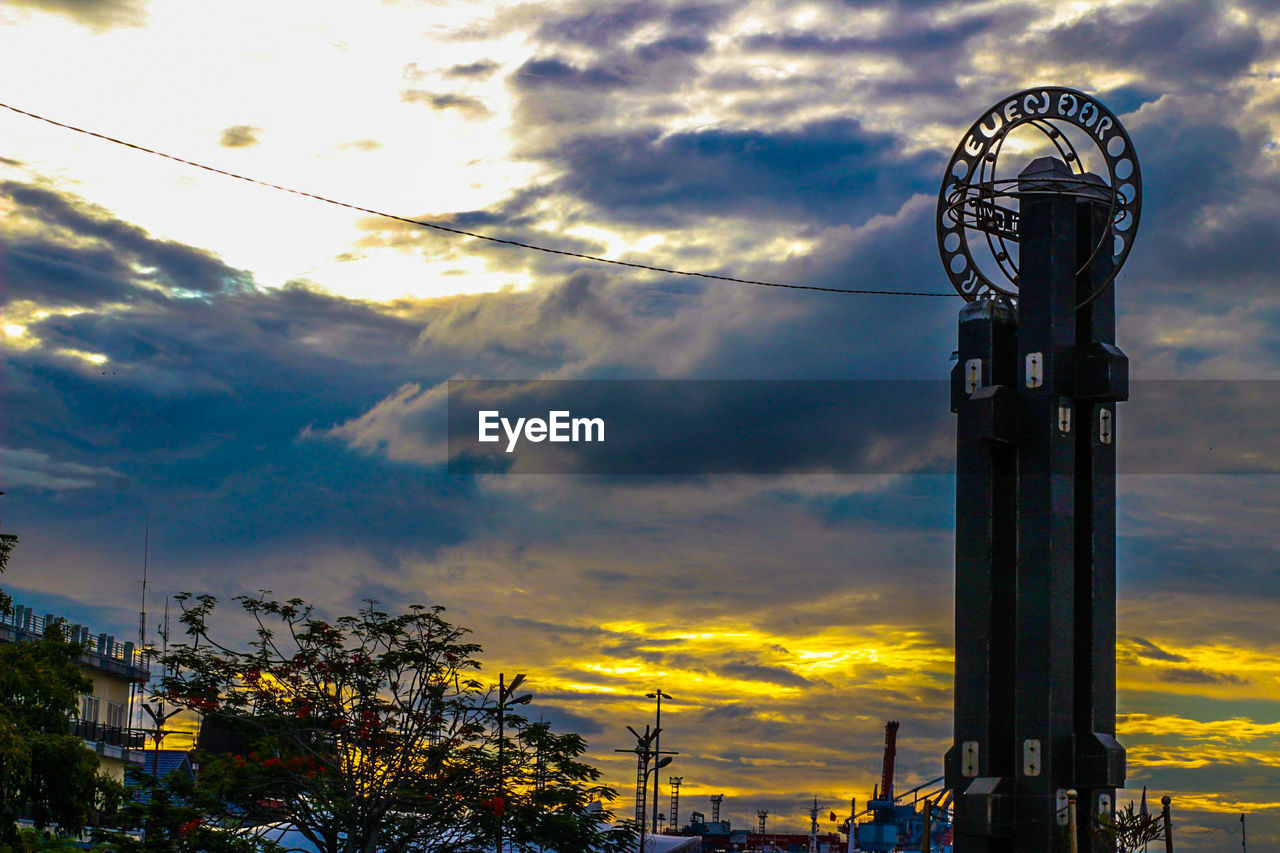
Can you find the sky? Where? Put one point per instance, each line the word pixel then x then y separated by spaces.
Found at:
pixel 263 376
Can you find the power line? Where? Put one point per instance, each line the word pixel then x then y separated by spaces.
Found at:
pixel 458 231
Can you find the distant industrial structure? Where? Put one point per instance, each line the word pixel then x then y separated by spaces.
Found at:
pixel 897 824
pixel 720 835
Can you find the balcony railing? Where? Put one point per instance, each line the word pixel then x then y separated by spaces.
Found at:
pixel 110 735
pixel 23 620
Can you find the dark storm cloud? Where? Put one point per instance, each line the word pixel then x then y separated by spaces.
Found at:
pixel 1208 193
pixel 1191 675
pixel 202 408
pixel 537 73
pixel 1129 98
pixel 756 672
pixel 580 296
pixel 240 136
pixel 650 177
pixel 483 68
pixel 1206 538
pixel 1175 43
pixel 1148 649
pixel 918 502
pixel 672 46
pixel 129 251
pixel 200 402
pixel 468 106
pixel 97 14
pixel 830 171
pixel 180 357
pixel 33 468
pixel 560 719
pixel 598 26
pixel 616 325
pixel 605 327
pixel 734 720
pixel 909 35
pixel 830 337
pixel 62 276
pixel 516 210
pixel 608 61
pixel 588 632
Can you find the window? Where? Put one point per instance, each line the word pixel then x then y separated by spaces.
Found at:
pixel 89 709
pixel 115 715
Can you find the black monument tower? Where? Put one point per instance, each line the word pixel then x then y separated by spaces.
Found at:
pixel 1035 389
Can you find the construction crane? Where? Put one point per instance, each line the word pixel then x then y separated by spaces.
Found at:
pixel 890 753
pixel 895 823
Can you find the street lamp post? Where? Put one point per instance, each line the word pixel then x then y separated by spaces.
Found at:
pixel 657 746
pixel 504 699
pixel 646 750
pixel 159 716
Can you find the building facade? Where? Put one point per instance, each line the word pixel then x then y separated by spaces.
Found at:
pixel 117 671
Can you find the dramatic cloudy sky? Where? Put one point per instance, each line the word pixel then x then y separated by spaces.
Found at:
pixel 264 374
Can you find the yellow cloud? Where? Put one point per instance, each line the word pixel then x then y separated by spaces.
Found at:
pixel 1236 729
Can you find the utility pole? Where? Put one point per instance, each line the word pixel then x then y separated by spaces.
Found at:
pixel 504 700
pixel 134 691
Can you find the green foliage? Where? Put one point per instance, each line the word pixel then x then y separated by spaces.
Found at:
pixel 372 732
pixel 32 841
pixel 539 814
pixel 7 541
pixel 46 772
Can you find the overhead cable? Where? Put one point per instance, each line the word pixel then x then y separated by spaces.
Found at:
pixel 422 223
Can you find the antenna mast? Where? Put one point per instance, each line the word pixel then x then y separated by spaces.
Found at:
pixel 142 614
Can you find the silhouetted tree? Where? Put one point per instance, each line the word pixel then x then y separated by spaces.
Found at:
pixel 46 773
pixel 372 733
pixel 1129 830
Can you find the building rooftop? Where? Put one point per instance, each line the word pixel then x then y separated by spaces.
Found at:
pixel 102 651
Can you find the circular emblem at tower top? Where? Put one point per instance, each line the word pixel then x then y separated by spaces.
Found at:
pixel 977 219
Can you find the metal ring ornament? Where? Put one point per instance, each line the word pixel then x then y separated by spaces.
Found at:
pixel 970 194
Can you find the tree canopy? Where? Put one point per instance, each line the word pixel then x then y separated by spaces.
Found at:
pixel 46 772
pixel 374 732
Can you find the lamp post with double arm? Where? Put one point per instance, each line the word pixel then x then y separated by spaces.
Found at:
pixel 504 701
pixel 657 747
